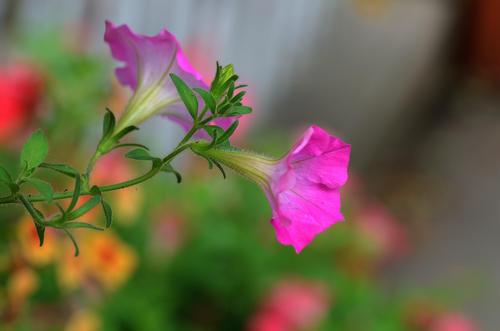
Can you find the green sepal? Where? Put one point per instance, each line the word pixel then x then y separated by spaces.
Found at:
pixel 187 95
pixel 43 187
pixel 124 132
pixel 169 169
pixel 219 166
pixel 61 168
pixel 108 124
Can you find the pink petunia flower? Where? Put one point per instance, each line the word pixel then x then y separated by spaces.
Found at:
pixel 148 61
pixel 303 187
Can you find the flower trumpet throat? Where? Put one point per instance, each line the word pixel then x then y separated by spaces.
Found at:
pixel 303 187
pixel 254 167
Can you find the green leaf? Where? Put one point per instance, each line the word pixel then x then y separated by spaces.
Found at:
pixel 131 145
pixel 85 208
pixel 6 179
pixel 168 168
pixel 140 154
pixel 61 168
pixel 214 130
pixel 81 225
pixel 187 95
pixel 238 110
pixel 108 125
pixel 207 98
pixel 43 187
pixel 76 194
pixel 40 230
pixel 229 132
pixel 238 97
pixel 34 151
pixel 108 213
pixel 75 244
pixel 5 176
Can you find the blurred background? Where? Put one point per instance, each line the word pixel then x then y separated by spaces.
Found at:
pixel 413 85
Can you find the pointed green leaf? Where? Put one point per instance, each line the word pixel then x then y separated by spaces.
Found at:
pixel 207 98
pixel 131 145
pixel 108 213
pixel 43 187
pixel 187 95
pixel 85 208
pixel 229 132
pixel 140 154
pixel 61 168
pixel 238 110
pixel 168 168
pixel 76 194
pixel 73 240
pixel 5 176
pixel 81 225
pixel 40 230
pixel 34 151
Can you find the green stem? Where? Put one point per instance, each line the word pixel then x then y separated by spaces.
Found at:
pixel 106 188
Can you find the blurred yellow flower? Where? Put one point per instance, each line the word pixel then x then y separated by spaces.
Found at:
pixel 21 284
pixel 83 321
pixel 30 246
pixel 108 260
pixel 126 203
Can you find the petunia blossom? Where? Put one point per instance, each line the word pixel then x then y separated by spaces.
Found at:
pixel 303 187
pixel 148 63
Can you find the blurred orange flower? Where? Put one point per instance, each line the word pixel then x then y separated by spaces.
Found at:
pixel 108 260
pixel 70 270
pixel 21 284
pixel 83 321
pixel 30 246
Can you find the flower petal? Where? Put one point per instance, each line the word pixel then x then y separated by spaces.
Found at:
pixel 303 215
pixel 321 157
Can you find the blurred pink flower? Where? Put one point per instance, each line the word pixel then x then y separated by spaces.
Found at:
pixel 388 235
pixel 303 187
pixel 453 322
pixel 148 62
pixel 168 232
pixel 20 90
pixel 292 305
